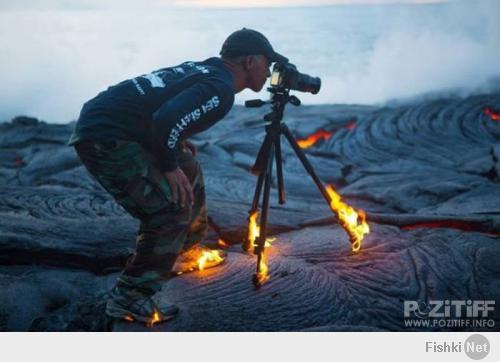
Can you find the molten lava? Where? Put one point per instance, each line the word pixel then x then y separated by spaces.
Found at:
pixel 315 137
pixel 495 116
pixel 350 126
pixel 353 222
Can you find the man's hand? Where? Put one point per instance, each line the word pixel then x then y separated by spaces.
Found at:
pixel 188 145
pixel 180 187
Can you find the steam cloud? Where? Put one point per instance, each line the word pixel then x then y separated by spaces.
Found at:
pixel 53 60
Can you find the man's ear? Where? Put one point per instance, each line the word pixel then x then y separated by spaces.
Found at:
pixel 249 62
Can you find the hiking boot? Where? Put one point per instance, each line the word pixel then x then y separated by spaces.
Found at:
pixel 198 257
pixel 121 306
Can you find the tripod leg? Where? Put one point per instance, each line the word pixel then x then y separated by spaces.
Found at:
pixel 247 243
pixel 260 169
pixel 305 162
pixel 279 169
pixel 265 204
pixel 261 275
pixel 260 164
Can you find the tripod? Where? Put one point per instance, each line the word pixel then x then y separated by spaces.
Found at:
pixel 263 168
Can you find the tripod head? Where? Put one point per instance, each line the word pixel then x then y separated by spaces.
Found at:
pixel 285 77
pixel 279 98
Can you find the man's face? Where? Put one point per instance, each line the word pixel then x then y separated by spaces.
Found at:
pixel 258 72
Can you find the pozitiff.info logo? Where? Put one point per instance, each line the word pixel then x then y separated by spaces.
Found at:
pixel 449 314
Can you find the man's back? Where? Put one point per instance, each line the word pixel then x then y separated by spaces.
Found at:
pixel 125 111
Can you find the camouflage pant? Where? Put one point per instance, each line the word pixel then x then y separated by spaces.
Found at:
pixel 127 171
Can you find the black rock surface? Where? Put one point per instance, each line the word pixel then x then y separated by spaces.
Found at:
pixel 426 173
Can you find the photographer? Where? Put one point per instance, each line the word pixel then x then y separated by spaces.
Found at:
pixel 132 138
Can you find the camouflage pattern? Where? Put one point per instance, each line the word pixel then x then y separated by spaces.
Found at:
pixel 128 172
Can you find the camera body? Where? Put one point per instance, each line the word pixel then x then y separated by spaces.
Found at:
pixel 287 76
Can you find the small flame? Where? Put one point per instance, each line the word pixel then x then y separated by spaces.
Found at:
pixel 129 318
pixel 222 243
pixel 315 137
pixel 253 229
pixel 262 275
pixel 254 232
pixel 495 116
pixel 348 218
pixel 208 256
pixel 155 318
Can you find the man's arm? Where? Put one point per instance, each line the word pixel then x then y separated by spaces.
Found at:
pixel 194 108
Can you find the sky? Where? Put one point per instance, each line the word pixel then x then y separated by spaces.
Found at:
pixel 94 4
pixel 56 59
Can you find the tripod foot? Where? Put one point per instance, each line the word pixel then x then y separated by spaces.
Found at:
pixel 257 281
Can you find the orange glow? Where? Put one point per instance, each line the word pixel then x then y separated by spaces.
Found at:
pixel 155 318
pixel 495 116
pixel 222 243
pixel 350 126
pixel 209 256
pixel 315 137
pixel 354 223
pixel 129 318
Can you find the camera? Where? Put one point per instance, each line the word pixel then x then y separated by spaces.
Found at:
pixel 287 76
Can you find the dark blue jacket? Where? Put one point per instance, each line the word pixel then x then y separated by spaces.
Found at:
pixel 159 109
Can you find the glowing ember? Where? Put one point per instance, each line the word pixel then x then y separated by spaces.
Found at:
pixel 354 223
pixel 129 318
pixel 207 257
pixel 315 137
pixel 492 114
pixel 155 318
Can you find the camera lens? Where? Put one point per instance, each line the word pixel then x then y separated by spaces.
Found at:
pixel 306 83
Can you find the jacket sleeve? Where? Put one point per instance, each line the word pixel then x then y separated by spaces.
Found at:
pixel 193 108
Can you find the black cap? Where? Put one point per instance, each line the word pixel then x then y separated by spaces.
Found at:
pixel 250 42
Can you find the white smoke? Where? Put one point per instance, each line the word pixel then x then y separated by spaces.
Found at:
pixel 53 60
pixel 460 50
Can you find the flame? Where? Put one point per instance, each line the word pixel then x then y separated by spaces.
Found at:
pixel 222 243
pixel 354 223
pixel 492 114
pixel 155 318
pixel 262 275
pixel 208 256
pixel 315 137
pixel 254 231
pixel 129 318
